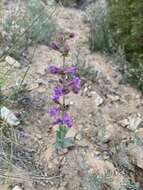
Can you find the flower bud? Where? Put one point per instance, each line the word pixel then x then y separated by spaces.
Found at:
pixel 66 49
pixel 55 46
pixel 71 35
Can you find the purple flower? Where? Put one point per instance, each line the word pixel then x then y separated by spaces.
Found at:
pixel 67 120
pixel 71 35
pixel 54 70
pixel 55 46
pixel 54 112
pixel 74 84
pixel 57 93
pixel 70 70
pixel 58 121
pixel 67 82
pixel 66 49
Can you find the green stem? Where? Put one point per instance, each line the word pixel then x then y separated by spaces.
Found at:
pixel 63 88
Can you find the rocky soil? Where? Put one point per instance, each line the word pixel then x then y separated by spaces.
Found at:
pixel 108 121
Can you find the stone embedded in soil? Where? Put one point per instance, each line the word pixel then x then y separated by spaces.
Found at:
pixel 32 86
pixel 113 98
pixel 135 154
pixel 16 188
pixel 9 117
pixel 98 100
pixel 135 122
pixel 79 137
pixel 11 61
pixel 124 123
pixel 82 143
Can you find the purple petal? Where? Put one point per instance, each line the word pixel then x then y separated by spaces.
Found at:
pixel 70 70
pixel 53 69
pixel 57 93
pixel 58 121
pixel 66 49
pixel 54 112
pixel 67 120
pixel 71 35
pixel 55 46
pixel 74 84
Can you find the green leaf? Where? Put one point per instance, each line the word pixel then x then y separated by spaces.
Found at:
pixel 67 143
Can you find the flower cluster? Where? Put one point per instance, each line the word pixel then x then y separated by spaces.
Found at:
pixel 68 82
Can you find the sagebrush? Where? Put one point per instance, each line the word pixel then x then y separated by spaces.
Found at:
pixel 99 36
pixel 34 25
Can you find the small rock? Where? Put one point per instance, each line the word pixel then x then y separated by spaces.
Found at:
pixel 97 153
pixel 136 155
pixel 41 89
pixel 98 100
pixel 78 137
pixel 38 136
pixel 41 82
pixel 85 89
pixel 82 143
pixel 124 123
pixel 71 103
pixel 138 96
pixel 16 188
pixel 32 86
pixel 135 122
pixel 113 98
pixel 9 117
pixel 12 61
pixel 106 157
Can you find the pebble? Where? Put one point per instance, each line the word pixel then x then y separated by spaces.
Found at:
pixel 12 61
pixel 16 188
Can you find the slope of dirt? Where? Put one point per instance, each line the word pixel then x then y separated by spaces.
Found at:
pixel 103 104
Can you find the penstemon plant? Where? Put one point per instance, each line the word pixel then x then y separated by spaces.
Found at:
pixel 68 82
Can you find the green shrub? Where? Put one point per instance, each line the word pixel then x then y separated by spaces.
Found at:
pixel 68 2
pixel 35 25
pixel 126 26
pixel 99 36
pixel 126 23
pixel 134 75
pixel 43 30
